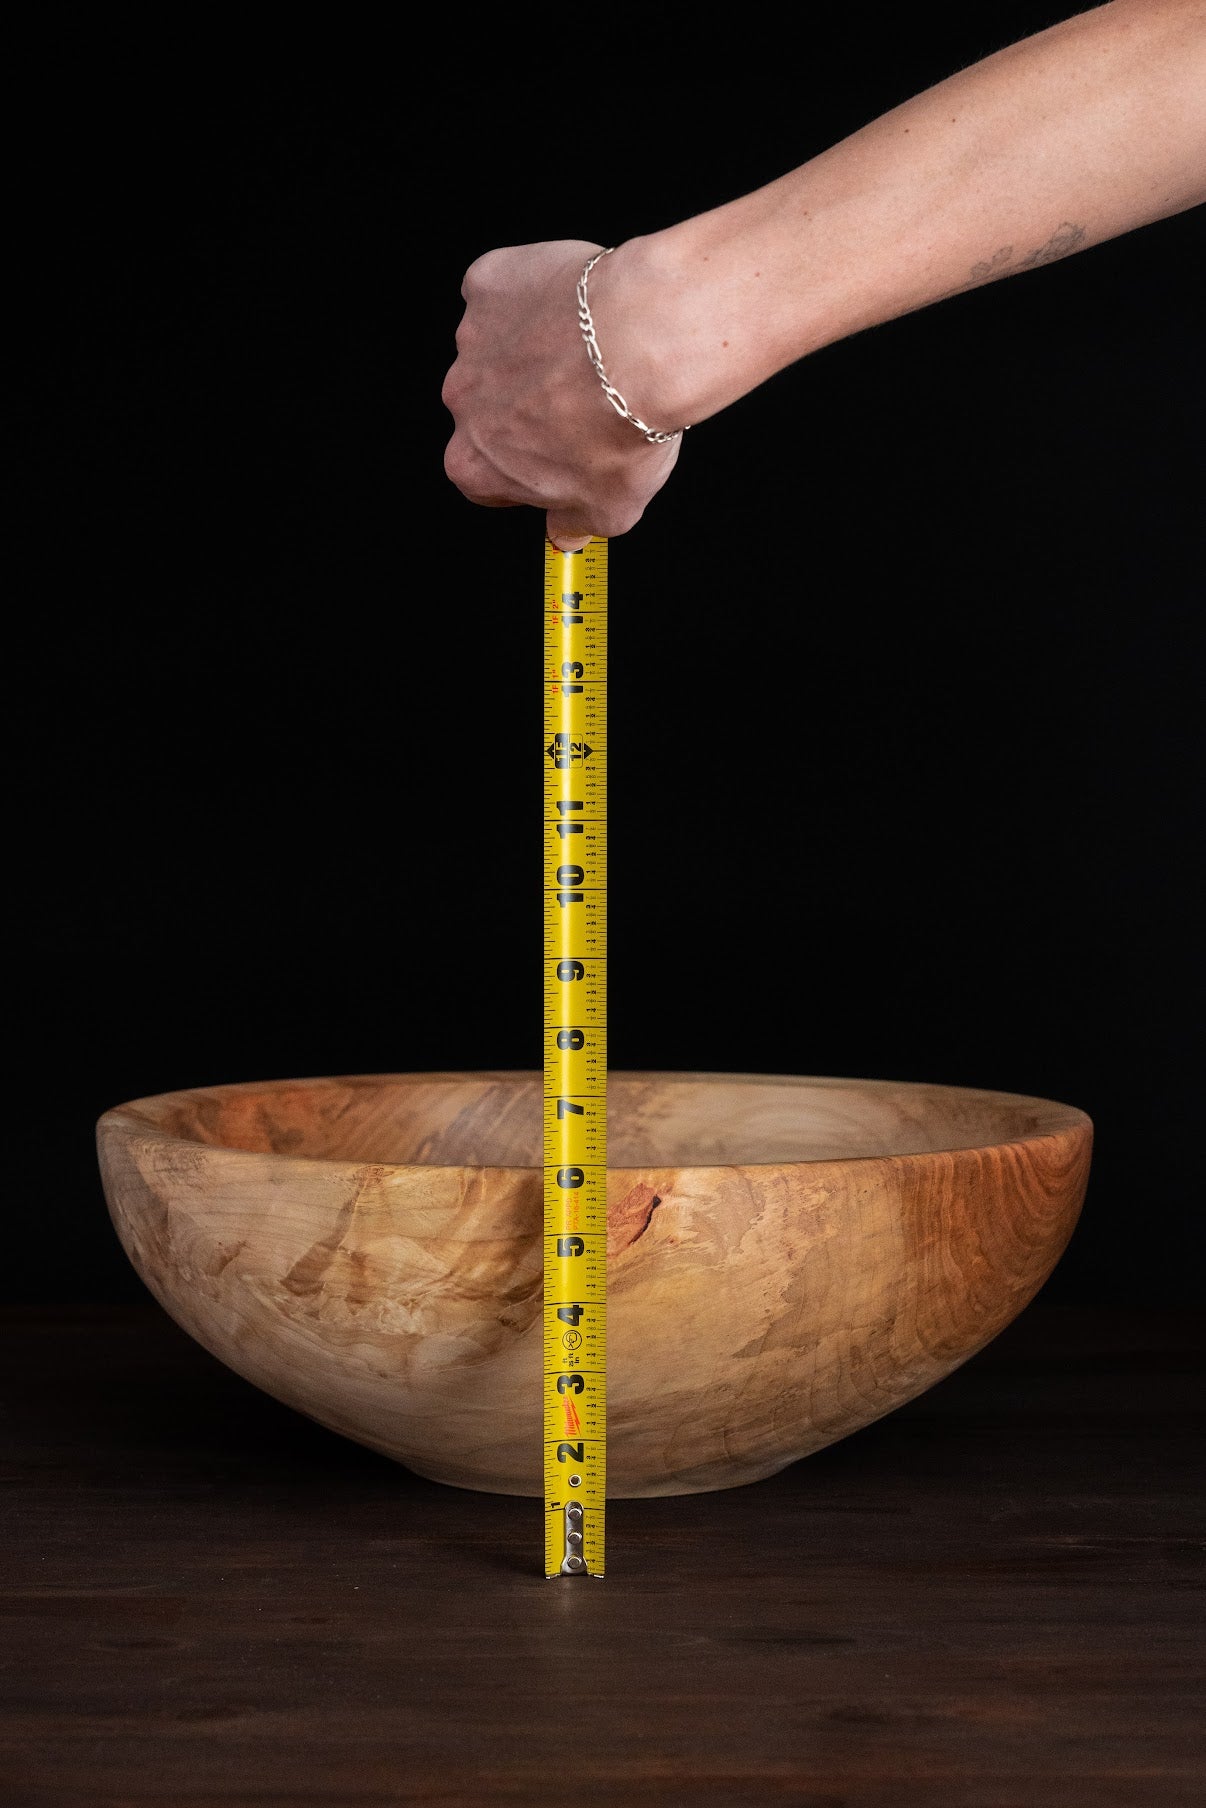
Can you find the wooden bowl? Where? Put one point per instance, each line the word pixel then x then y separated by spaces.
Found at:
pixel 789 1258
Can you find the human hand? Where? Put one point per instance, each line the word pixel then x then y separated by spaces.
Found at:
pixel 532 424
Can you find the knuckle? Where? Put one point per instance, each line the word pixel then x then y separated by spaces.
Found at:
pixel 457 466
pixel 472 475
pixel 477 277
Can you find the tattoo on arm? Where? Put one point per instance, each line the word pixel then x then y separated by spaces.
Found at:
pixel 1063 240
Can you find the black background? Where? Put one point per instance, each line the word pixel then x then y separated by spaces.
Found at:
pixel 905 768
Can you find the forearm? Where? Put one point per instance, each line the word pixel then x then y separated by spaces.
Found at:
pixel 1071 137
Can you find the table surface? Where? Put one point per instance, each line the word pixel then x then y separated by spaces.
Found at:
pixel 991 1597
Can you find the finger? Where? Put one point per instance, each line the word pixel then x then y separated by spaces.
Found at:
pixel 473 477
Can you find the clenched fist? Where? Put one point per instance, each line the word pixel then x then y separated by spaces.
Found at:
pixel 532 423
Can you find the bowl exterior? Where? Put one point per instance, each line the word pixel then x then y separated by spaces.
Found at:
pixel 755 1313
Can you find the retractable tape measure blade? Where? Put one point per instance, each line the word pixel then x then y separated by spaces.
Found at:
pixel 575 1059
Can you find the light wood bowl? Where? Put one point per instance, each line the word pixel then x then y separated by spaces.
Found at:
pixel 789 1258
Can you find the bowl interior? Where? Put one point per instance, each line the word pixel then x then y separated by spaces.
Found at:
pixel 653 1119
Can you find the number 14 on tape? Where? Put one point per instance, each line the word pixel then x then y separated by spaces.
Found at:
pixel 575 1058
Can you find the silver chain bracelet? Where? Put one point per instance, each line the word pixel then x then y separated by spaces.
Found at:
pixel 653 434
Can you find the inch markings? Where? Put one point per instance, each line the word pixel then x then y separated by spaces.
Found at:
pixel 575 1059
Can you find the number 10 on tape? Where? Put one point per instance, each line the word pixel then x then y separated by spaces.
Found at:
pixel 575 1058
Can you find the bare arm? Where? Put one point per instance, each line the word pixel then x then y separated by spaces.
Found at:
pixel 1071 137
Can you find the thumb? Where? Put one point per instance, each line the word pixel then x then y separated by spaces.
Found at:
pixel 566 537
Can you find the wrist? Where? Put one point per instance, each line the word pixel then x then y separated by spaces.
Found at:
pixel 660 333
pixel 657 436
pixel 688 319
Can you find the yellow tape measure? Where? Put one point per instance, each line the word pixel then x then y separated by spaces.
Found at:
pixel 575 1059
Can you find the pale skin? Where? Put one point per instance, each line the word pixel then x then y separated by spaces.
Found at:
pixel 1066 139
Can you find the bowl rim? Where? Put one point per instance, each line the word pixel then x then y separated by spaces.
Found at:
pixel 133 1114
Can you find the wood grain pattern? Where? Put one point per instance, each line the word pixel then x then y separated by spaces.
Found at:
pixel 789 1258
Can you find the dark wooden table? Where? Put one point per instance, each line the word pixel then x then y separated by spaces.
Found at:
pixel 993 1597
